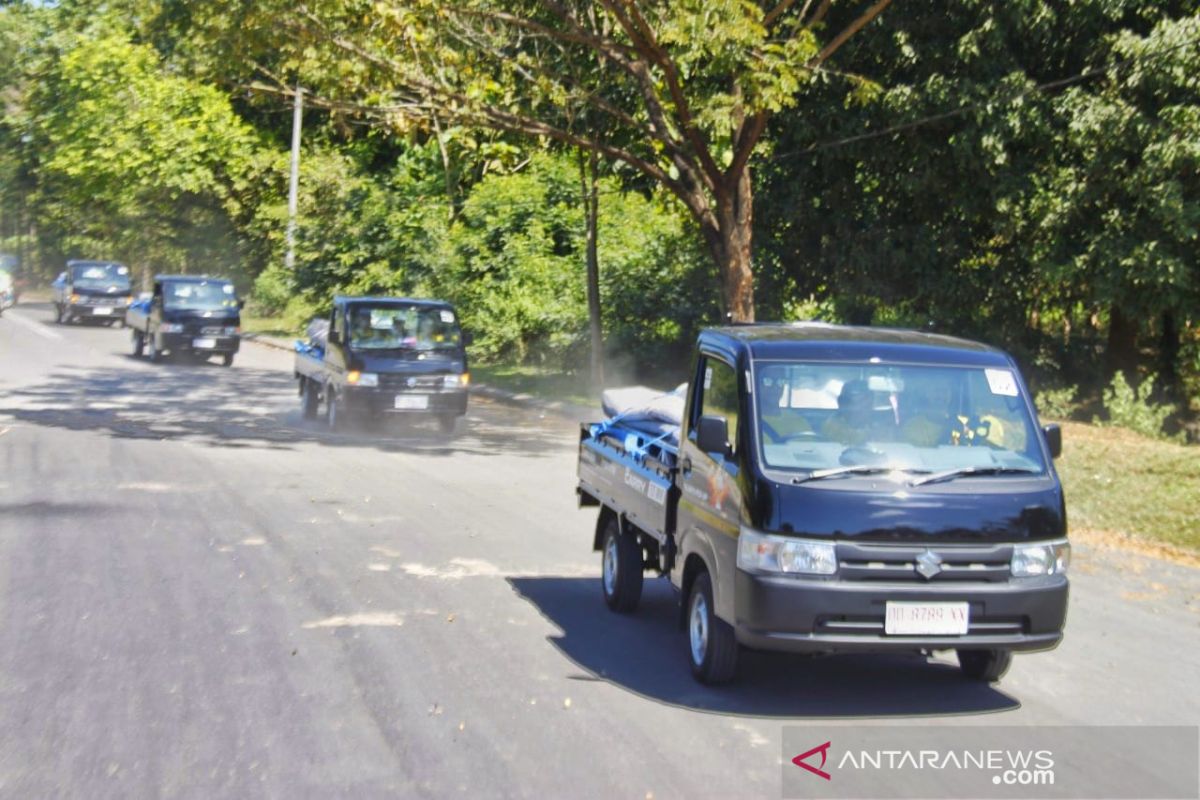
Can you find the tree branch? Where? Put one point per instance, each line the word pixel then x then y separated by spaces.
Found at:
pixel 851 29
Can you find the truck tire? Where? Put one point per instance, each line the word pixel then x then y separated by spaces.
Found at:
pixel 152 351
pixel 227 360
pixel 446 422
pixel 621 568
pixel 712 645
pixel 984 665
pixel 310 398
pixel 334 417
pixel 139 344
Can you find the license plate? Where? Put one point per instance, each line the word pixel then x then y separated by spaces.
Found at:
pixel 204 344
pixel 412 402
pixel 926 619
pixel 101 311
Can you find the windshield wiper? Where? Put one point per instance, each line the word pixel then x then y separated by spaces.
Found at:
pixel 951 474
pixel 857 469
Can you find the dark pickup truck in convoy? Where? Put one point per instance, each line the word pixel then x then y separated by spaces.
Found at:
pixel 92 290
pixel 374 356
pixel 194 314
pixel 825 489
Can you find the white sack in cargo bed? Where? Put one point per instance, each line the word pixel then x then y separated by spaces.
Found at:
pixel 643 404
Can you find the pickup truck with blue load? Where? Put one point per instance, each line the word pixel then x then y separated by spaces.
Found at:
pixel 92 290
pixel 824 489
pixel 373 357
pixel 197 315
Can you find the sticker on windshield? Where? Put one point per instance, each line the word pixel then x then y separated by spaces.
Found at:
pixel 1002 382
pixel 708 378
pixel 447 316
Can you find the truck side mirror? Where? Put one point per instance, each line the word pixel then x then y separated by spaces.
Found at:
pixel 1053 434
pixel 333 337
pixel 467 338
pixel 241 304
pixel 712 434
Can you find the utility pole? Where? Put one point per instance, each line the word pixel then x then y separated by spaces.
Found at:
pixel 294 188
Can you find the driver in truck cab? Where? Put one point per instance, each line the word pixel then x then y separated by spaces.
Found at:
pixel 855 422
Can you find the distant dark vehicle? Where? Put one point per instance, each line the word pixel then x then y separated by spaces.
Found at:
pixel 374 356
pixel 92 290
pixel 825 489
pixel 193 314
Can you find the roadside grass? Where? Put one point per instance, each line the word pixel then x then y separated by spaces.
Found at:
pixel 268 326
pixel 1121 484
pixel 538 381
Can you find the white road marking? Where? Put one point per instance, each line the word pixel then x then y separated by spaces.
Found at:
pixel 36 327
pixel 375 619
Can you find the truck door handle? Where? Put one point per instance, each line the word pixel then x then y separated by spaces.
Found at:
pixel 685 464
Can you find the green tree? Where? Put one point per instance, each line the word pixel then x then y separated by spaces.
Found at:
pixel 678 92
pixel 134 162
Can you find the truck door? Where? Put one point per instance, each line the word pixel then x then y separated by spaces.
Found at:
pixel 336 344
pixel 711 498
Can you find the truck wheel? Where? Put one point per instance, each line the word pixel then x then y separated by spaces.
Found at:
pixel 311 398
pixel 446 423
pixel 712 644
pixel 984 665
pixel 621 568
pixel 139 344
pixel 152 351
pixel 227 360
pixel 333 415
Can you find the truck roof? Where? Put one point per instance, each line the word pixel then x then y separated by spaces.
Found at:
pixel 191 278
pixel 341 299
pixel 828 342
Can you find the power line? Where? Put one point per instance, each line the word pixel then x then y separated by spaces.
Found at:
pixel 1043 87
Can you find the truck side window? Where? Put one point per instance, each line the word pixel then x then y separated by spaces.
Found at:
pixel 333 323
pixel 719 395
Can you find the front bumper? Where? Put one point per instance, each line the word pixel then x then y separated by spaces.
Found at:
pixel 811 615
pixel 376 401
pixel 81 311
pixel 187 342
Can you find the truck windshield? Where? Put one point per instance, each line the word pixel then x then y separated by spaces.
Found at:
pixel 100 275
pixel 923 419
pixel 398 326
pixel 199 295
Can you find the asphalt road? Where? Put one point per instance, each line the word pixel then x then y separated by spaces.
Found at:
pixel 201 595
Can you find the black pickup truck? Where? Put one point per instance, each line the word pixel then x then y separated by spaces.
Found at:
pixel 194 314
pixel 376 356
pixel 93 291
pixel 827 489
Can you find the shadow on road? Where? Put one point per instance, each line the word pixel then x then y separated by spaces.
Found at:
pixel 245 407
pixel 645 652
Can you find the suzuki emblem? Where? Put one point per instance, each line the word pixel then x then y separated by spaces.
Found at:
pixel 929 564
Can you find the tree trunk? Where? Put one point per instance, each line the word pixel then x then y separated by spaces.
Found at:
pixel 729 242
pixel 1168 355
pixel 1121 352
pixel 591 203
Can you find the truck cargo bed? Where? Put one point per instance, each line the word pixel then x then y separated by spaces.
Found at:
pixel 630 468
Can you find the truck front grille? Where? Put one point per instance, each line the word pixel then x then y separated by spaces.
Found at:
pixel 924 564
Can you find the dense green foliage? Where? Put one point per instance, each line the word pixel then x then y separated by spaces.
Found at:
pixel 1027 173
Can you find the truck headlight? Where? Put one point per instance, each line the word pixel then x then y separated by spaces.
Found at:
pixel 171 327
pixel 1047 558
pixel 232 330
pixel 368 379
pixel 74 298
pixel 765 553
pixel 456 381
